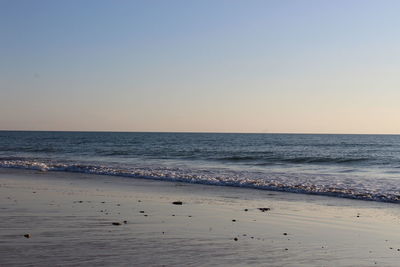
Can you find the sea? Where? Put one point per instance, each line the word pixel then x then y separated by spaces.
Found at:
pixel 365 167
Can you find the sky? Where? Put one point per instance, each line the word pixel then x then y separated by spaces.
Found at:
pixel 271 66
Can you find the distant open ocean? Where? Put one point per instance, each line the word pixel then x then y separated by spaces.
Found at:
pixel 363 167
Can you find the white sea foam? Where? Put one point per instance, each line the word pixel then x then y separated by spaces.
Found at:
pixel 322 184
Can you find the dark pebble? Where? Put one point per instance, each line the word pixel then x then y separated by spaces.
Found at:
pixel 233 220
pixel 235 239
pixel 284 233
pixel 116 223
pixel 177 203
pixel 246 209
pixel 27 235
pixel 142 211
pixel 125 222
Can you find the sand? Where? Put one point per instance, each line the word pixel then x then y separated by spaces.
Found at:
pixel 88 220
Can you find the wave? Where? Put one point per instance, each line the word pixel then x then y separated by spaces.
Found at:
pixel 297 160
pixel 324 160
pixel 30 149
pixel 239 158
pixel 365 189
pixel 113 153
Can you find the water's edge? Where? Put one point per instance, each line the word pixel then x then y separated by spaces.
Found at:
pixel 200 177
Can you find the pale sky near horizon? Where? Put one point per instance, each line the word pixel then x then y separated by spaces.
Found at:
pixel 202 66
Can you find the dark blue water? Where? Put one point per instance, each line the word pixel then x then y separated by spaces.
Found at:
pixel 353 166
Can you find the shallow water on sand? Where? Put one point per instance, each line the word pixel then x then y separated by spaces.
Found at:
pixel 70 216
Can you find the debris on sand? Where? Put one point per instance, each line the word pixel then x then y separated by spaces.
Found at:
pixel 116 223
pixel 235 239
pixel 27 235
pixel 264 209
pixel 177 203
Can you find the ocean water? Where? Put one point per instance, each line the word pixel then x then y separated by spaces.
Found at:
pixel 363 167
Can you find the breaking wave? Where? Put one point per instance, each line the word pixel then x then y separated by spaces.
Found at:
pixel 353 187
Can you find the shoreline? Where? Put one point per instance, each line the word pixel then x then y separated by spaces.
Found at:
pixel 70 225
pixel 303 187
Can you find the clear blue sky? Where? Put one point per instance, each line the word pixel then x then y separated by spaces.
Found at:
pixel 219 66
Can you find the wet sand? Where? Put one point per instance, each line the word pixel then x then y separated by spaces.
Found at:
pixel 88 220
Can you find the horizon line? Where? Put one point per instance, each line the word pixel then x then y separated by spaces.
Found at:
pixel 193 132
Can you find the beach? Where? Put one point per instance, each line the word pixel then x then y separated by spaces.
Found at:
pixel 199 133
pixel 79 219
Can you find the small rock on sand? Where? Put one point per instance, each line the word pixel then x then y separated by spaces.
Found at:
pixel 27 235
pixel 116 223
pixel 235 239
pixel 177 203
